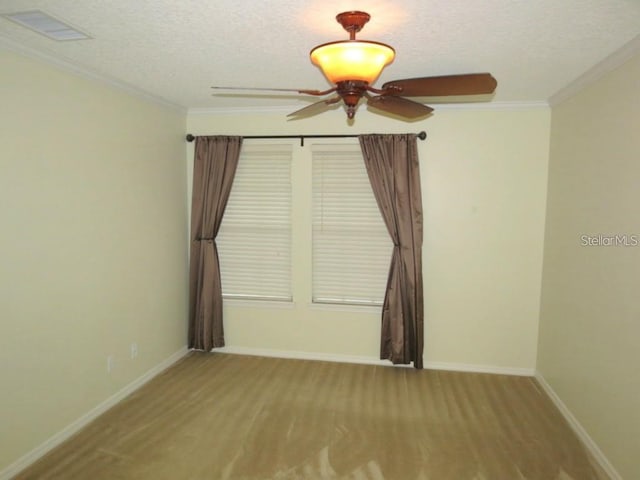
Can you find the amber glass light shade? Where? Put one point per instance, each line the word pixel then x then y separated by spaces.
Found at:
pixel 352 60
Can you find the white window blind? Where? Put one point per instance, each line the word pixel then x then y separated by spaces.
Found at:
pixel 254 241
pixel 351 246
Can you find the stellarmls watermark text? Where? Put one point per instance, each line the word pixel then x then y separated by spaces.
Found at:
pixel 617 240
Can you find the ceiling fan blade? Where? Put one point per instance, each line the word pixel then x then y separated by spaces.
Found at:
pixel 297 90
pixel 315 108
pixel 399 106
pixel 465 84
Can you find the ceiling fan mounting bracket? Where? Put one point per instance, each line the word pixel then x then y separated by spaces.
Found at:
pixel 353 22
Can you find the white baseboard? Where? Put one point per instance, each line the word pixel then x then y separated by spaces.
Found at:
pixel 589 443
pixel 38 452
pixel 334 357
pixel 476 368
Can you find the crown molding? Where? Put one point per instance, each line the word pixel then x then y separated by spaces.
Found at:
pixel 502 105
pixel 613 61
pixel 77 70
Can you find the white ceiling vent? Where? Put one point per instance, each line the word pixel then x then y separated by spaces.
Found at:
pixel 45 24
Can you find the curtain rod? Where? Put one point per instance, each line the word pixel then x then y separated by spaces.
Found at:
pixel 190 138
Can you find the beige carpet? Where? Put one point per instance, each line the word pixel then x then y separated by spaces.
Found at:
pixel 217 416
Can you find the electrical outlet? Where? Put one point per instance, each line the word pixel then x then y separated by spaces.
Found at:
pixel 134 350
pixel 111 363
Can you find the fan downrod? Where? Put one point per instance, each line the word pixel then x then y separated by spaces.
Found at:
pixel 353 22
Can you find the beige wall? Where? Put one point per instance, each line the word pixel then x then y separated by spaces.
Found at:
pixel 93 246
pixel 484 175
pixel 590 315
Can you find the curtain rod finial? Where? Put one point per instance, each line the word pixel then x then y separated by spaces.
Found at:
pixel 422 135
pixel 191 138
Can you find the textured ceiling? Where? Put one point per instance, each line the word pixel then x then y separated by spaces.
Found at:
pixel 176 49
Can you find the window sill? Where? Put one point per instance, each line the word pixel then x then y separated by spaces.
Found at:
pixel 345 307
pixel 245 303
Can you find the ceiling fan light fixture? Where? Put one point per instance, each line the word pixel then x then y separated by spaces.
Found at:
pixel 352 66
pixel 355 60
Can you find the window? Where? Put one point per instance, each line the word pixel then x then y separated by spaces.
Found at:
pixel 254 241
pixel 351 246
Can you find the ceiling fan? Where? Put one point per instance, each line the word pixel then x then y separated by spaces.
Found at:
pixel 352 66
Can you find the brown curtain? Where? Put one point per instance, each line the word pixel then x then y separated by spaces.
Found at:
pixel 215 162
pixel 392 165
